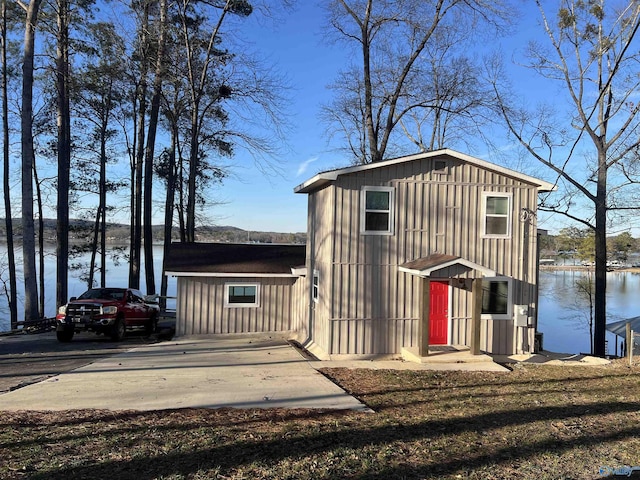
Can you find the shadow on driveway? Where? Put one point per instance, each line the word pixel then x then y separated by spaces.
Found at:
pixel 30 358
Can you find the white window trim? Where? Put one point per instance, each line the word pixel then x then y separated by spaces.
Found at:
pixel 363 210
pixel 315 286
pixel 509 196
pixel 509 314
pixel 255 304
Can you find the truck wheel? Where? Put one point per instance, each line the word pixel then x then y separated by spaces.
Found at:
pixel 151 326
pixel 65 336
pixel 118 330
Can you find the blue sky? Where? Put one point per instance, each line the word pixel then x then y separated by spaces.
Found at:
pixel 254 202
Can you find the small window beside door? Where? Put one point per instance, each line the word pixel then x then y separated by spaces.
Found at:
pixel 496 297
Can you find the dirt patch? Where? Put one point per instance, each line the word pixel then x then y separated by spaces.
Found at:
pixel 536 422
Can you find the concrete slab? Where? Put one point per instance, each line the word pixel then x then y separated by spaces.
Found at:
pixel 554 358
pixel 409 365
pixel 205 372
pixel 450 355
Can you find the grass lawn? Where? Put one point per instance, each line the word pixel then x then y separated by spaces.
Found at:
pixel 536 422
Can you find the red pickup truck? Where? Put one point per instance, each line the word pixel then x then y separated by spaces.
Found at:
pixel 111 311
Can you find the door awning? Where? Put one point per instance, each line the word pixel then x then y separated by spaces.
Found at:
pixel 425 266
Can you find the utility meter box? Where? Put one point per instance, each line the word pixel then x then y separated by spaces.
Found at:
pixel 521 315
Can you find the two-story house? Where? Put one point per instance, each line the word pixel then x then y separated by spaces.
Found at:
pixel 438 248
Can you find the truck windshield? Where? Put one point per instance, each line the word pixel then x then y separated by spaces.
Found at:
pixel 103 294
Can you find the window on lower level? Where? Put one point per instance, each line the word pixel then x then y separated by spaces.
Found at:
pixel 316 285
pixel 495 296
pixel 241 295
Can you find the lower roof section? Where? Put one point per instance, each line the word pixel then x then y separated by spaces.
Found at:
pixel 234 259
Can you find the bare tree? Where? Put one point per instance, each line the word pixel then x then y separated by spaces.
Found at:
pixel 393 38
pixel 592 54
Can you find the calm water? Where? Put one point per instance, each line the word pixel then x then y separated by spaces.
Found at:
pixel 117 276
pixel 562 318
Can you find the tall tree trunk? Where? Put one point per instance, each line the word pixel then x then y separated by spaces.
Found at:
pixel 94 250
pixel 28 160
pixel 136 240
pixel 41 278
pixel 134 278
pixel 102 202
pixel 64 153
pixel 181 209
pixel 168 214
pixel 194 167
pixel 600 311
pixel 12 294
pixel 101 213
pixel 150 151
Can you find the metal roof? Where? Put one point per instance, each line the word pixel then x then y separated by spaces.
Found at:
pixel 425 266
pixel 620 328
pixel 233 259
pixel 323 178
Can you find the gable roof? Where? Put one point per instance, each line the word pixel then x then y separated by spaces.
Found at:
pixel 425 266
pixel 323 178
pixel 233 259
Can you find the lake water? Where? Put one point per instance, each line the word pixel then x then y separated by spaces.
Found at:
pixel 117 276
pixel 562 319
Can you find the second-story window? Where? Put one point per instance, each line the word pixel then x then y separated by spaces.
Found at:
pixel 377 210
pixel 497 214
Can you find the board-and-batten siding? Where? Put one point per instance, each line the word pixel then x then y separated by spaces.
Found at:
pixel 375 308
pixel 201 310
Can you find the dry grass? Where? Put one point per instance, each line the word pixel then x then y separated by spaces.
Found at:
pixel 537 422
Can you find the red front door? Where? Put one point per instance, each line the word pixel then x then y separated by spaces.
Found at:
pixel 439 313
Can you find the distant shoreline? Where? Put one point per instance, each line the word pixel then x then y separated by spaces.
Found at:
pixel 583 268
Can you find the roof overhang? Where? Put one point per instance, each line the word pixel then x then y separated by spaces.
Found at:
pixel 620 328
pixel 294 273
pixel 324 178
pixel 426 266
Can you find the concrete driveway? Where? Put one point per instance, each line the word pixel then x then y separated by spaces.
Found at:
pixel 203 372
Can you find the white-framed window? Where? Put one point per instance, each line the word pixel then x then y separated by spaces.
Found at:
pixel 496 297
pixel 376 210
pixel 239 295
pixel 496 209
pixel 316 285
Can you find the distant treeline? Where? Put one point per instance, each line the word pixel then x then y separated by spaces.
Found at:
pixel 118 233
